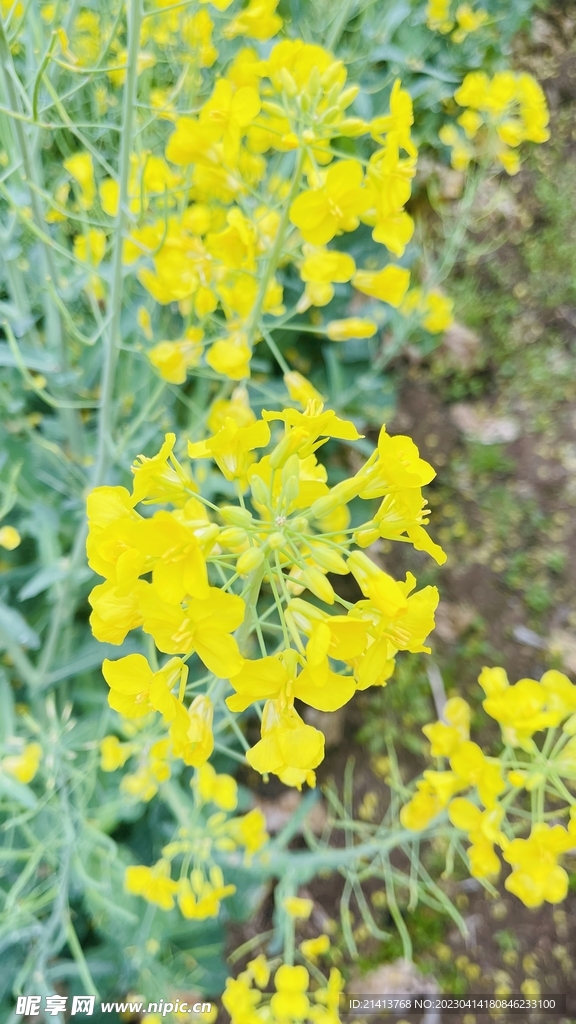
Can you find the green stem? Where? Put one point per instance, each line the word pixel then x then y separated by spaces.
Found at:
pixel 251 601
pixel 112 343
pixel 63 607
pixel 52 321
pixel 275 350
pixel 276 251
pixel 83 970
pixel 398 919
pixel 21 661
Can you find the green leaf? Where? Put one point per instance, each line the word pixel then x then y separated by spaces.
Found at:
pixel 18 792
pixel 16 626
pixel 41 580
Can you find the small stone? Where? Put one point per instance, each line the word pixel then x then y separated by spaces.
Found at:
pixel 461 346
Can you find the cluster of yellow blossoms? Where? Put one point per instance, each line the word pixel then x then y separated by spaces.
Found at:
pixel 245 997
pixel 466 19
pixel 501 113
pixel 200 887
pixel 191 578
pixel 250 184
pixel 505 790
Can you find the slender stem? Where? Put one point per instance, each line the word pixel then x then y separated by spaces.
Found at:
pixel 398 919
pixel 112 342
pixel 81 963
pixel 52 321
pixel 275 351
pixel 276 251
pixel 251 601
pixel 63 607
pixel 21 661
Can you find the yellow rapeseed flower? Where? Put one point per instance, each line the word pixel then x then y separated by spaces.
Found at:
pixel 81 168
pixel 335 206
pixel 25 764
pixel 389 285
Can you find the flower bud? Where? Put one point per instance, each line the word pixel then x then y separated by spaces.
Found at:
pixel 249 560
pixel 328 559
pixel 352 327
pixel 317 583
pixel 290 141
pixel 304 614
pixel 260 490
pixel 290 492
pixel 288 84
pixel 236 516
pixel 314 83
pixel 289 444
pixel 208 536
pixel 300 389
pixel 364 568
pixel 290 469
pixel 534 781
pixel 517 778
pixel 348 96
pixel 332 95
pixel 233 537
pixel 276 540
pixel 332 115
pixel 300 524
pixel 269 107
pixel 332 74
pixel 290 480
pixel 366 536
pixel 352 127
pixel 340 494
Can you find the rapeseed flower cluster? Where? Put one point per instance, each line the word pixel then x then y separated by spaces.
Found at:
pixel 247 997
pixel 211 832
pixel 500 114
pixel 190 577
pixel 249 184
pixel 466 19
pixel 494 809
pixel 431 308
